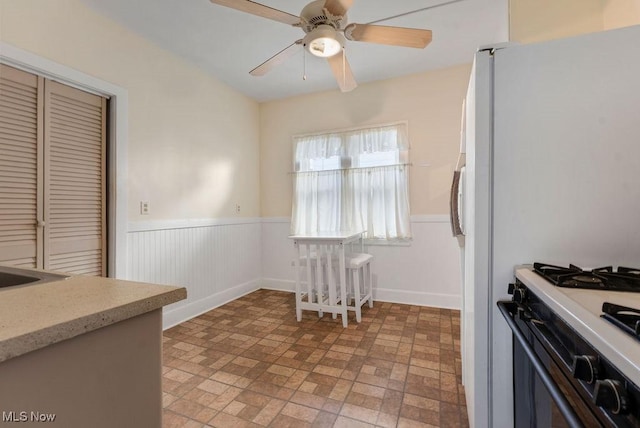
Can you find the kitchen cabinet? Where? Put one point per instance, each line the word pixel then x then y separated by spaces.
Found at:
pixel 84 350
pixel 106 378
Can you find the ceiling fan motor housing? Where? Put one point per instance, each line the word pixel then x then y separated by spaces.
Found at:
pixel 315 14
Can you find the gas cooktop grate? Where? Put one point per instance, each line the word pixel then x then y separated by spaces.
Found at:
pixel 604 278
pixel 628 319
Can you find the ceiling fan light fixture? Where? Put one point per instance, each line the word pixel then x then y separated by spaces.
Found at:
pixel 323 41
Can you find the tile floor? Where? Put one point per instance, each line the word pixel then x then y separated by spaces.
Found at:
pixel 250 364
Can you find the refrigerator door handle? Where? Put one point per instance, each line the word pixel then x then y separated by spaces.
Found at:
pixel 454 205
pixel 462 194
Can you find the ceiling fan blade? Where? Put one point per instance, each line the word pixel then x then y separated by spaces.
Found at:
pixel 258 9
pixel 338 7
pixel 277 59
pixel 395 36
pixel 342 72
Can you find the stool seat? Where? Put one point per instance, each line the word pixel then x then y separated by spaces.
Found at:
pixel 359 280
pixel 357 260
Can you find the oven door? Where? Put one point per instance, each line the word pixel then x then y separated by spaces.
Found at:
pixel 544 396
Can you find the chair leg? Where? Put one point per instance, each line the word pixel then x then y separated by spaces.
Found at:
pixel 349 286
pixel 298 309
pixel 298 292
pixel 298 300
pixel 335 286
pixel 369 279
pixel 356 292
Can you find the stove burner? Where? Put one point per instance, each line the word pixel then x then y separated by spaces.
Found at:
pixel 587 279
pixel 628 319
pixel 604 278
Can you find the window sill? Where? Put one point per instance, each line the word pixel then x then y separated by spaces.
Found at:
pixel 387 242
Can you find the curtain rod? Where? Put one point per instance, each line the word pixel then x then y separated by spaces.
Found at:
pixel 355 128
pixel 351 169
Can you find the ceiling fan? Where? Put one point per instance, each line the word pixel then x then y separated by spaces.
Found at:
pixel 326 27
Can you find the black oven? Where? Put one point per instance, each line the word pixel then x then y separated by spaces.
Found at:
pixel 559 379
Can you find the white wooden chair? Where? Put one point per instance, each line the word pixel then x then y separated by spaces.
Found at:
pixel 359 282
pixel 321 289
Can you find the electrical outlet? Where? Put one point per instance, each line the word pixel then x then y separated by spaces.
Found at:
pixel 144 207
pixel 237 208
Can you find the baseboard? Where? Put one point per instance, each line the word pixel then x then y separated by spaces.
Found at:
pixel 278 284
pixel 445 301
pixel 191 310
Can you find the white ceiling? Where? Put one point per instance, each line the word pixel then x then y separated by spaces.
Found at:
pixel 228 43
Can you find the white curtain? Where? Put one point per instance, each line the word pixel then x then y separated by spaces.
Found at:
pixel 353 180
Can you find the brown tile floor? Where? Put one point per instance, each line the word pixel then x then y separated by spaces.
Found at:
pixel 249 363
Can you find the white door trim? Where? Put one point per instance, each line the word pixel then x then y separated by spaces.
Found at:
pixel 117 141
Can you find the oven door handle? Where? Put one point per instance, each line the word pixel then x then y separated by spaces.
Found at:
pixel 563 405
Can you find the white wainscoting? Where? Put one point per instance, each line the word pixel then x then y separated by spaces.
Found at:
pixel 427 272
pixel 217 260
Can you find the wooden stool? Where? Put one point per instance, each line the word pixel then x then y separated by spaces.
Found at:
pixel 359 281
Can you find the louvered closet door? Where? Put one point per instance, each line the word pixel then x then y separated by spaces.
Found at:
pixel 75 192
pixel 20 177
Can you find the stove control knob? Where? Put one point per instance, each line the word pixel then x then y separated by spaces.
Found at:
pixel 611 395
pixel 519 295
pixel 585 367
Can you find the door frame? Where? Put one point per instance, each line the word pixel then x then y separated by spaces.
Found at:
pixel 117 139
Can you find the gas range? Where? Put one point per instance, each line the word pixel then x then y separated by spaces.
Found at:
pixel 594 363
pixel 604 279
pixel 581 308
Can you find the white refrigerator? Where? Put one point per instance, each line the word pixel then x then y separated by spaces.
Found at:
pixel 552 175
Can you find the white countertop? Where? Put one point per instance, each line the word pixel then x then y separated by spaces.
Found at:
pixel 39 315
pixel 581 309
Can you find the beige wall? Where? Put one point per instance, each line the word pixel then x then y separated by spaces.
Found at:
pixel 538 20
pixel 621 13
pixel 430 102
pixel 193 142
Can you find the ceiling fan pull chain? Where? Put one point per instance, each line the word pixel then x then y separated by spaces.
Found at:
pixel 304 65
pixel 344 68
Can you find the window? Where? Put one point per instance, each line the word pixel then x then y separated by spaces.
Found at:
pixel 353 180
